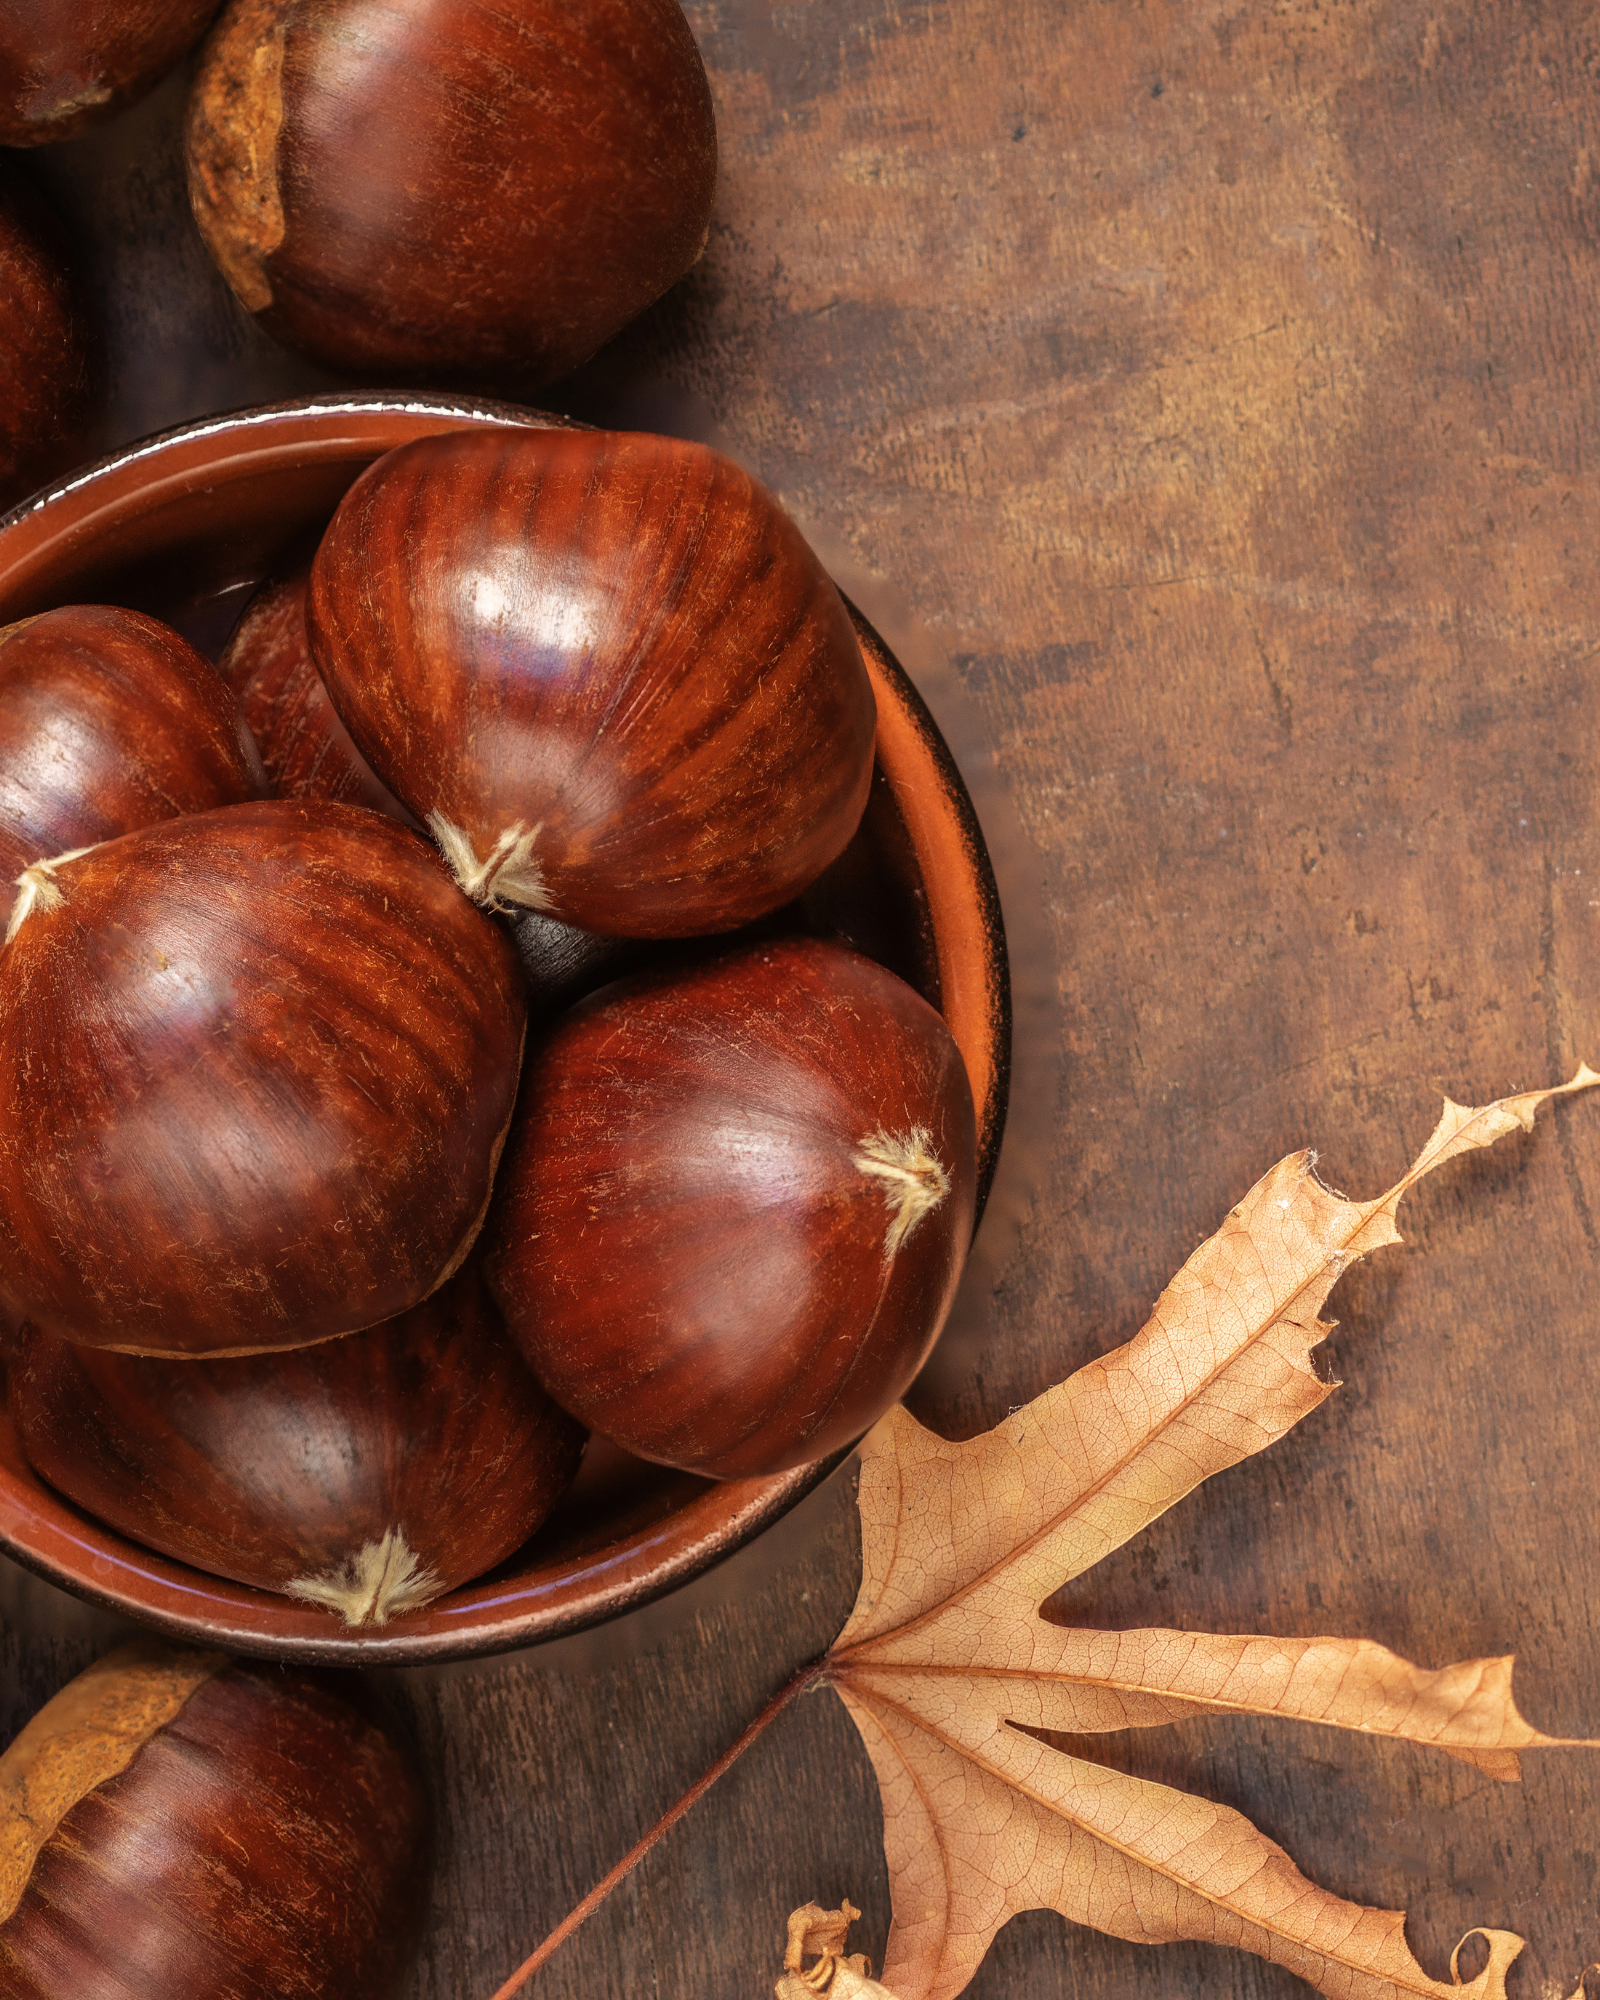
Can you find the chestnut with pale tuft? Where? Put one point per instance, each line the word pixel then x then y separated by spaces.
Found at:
pixel 604 669
pixel 177 1824
pixel 366 1474
pixel 256 1067
pixel 736 1206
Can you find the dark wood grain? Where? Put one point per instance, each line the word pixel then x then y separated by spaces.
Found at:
pixel 1204 405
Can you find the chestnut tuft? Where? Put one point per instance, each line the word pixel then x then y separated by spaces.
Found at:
pixel 176 1826
pixel 109 721
pixel 604 669
pixel 736 1205
pixel 454 189
pixel 65 64
pixel 49 352
pixel 256 1066
pixel 367 1474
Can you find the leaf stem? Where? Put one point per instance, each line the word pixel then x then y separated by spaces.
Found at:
pixel 806 1678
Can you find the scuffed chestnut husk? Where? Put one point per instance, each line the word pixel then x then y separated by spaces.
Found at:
pixel 451 189
pixel 306 749
pixel 736 1206
pixel 109 721
pixel 604 669
pixel 256 1066
pixel 178 1826
pixel 367 1474
pixel 65 64
pixel 49 347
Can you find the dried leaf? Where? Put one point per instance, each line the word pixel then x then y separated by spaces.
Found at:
pixel 945 1650
pixel 820 1935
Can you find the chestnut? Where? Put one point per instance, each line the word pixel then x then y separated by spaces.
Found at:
pixel 176 1825
pixel 451 189
pixel 109 721
pixel 306 748
pixel 49 350
pixel 367 1474
pixel 256 1066
pixel 65 64
pixel 736 1205
pixel 604 669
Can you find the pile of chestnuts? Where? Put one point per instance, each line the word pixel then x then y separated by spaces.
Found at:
pixel 407 1065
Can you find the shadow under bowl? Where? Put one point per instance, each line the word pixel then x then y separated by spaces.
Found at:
pixel 184 526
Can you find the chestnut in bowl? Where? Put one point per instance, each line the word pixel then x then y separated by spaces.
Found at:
pixel 109 721
pixel 451 189
pixel 176 1825
pixel 368 1474
pixel 736 1205
pixel 256 1067
pixel 185 527
pixel 604 670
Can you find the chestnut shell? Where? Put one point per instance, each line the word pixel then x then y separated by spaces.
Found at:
pixel 49 351
pixel 65 64
pixel 109 721
pixel 368 1474
pixel 698 1237
pixel 451 189
pixel 266 1841
pixel 608 657
pixel 255 1071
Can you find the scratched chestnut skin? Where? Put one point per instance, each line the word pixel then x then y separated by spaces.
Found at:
pixel 273 1469
pixel 109 721
pixel 65 64
pixel 684 1241
pixel 613 648
pixel 266 1839
pixel 451 189
pixel 255 1070
pixel 49 347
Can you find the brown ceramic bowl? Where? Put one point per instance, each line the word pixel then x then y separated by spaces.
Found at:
pixel 183 526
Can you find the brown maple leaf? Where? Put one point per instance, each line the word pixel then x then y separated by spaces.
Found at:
pixel 946 1662
pixel 946 1651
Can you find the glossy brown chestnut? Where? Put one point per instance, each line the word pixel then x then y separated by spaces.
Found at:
pixel 109 721
pixel 736 1205
pixel 178 1826
pixel 451 189
pixel 256 1066
pixel 307 750
pixel 367 1474
pixel 65 64
pixel 604 669
pixel 48 350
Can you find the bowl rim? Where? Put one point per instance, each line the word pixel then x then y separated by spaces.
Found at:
pixel 66 1546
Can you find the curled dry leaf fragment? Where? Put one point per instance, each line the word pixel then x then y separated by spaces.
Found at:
pixel 820 1935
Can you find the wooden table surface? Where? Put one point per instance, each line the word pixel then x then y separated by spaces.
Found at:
pixel 1204 404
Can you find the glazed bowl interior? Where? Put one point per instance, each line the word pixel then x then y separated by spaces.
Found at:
pixel 184 526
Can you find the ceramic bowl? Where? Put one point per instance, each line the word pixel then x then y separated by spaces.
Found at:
pixel 183 526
